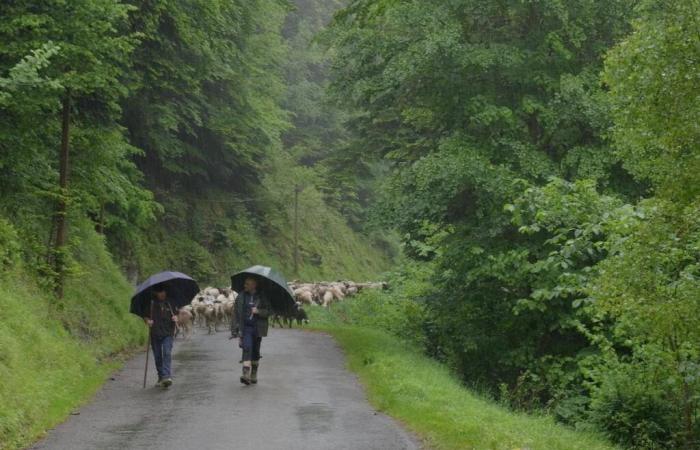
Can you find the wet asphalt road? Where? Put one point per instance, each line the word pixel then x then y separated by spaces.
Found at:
pixel 305 399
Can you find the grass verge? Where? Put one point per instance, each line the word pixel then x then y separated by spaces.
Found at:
pixel 431 402
pixel 55 355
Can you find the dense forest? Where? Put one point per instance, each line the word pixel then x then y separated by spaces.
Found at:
pixel 168 127
pixel 528 171
pixel 544 181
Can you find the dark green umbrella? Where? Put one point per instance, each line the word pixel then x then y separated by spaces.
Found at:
pixel 271 282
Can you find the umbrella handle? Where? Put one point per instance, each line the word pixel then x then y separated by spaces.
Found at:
pixel 148 349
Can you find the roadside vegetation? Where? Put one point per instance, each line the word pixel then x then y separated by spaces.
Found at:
pixel 56 354
pixel 544 180
pixel 426 396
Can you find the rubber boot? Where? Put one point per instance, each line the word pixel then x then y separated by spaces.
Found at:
pixel 254 373
pixel 245 378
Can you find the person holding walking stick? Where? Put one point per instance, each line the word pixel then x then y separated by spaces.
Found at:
pixel 157 301
pixel 162 319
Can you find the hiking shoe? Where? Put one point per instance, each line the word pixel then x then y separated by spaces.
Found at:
pixel 245 378
pixel 254 374
pixel 167 382
pixel 159 383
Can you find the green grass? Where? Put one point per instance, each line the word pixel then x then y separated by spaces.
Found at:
pixel 431 402
pixel 54 356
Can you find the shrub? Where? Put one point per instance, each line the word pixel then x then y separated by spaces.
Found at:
pixel 631 405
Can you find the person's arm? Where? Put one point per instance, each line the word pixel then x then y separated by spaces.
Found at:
pixel 234 318
pixel 263 307
pixel 147 317
pixel 173 312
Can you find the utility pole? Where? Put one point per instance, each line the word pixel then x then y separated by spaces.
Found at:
pixel 297 191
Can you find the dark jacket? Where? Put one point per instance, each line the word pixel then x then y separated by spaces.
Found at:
pixel 239 314
pixel 162 312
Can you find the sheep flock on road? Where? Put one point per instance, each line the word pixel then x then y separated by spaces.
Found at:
pixel 212 308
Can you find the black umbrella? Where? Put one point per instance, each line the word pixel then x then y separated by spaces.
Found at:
pixel 272 283
pixel 180 288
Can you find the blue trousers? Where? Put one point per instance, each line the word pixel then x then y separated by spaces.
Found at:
pixel 162 353
pixel 251 343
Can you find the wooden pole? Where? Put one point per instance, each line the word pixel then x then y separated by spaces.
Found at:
pixel 148 350
pixel 296 230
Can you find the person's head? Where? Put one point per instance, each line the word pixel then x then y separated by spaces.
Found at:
pixel 159 293
pixel 250 285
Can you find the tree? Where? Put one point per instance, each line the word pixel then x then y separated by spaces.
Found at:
pixel 92 54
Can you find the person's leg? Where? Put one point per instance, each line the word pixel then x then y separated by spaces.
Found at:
pixel 255 362
pixel 167 347
pixel 157 346
pixel 248 339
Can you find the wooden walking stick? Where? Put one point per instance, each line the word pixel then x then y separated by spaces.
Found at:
pixel 148 349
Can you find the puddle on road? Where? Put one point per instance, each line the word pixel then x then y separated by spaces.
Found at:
pixel 131 428
pixel 193 355
pixel 315 418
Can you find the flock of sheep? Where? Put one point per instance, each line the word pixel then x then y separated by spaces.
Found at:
pixel 212 308
pixel 327 292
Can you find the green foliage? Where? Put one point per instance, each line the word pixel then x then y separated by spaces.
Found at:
pixel 649 291
pixel 25 74
pixel 199 65
pixel 318 137
pixel 67 51
pixel 653 77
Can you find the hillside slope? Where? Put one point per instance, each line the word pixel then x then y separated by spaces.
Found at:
pixel 55 354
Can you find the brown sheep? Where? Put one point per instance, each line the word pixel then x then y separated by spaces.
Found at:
pixel 185 322
pixel 327 298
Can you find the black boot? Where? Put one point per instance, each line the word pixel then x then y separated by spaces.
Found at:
pixel 245 378
pixel 254 373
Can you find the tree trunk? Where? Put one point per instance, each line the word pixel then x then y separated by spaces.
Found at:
pixel 60 223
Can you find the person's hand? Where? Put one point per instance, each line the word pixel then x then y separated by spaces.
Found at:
pixel 148 322
pixel 255 310
pixel 174 318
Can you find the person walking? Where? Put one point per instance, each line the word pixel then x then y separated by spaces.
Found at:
pixel 162 319
pixel 249 323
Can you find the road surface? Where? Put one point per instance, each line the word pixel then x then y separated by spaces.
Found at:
pixel 305 399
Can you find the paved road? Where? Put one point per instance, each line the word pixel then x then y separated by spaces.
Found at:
pixel 305 399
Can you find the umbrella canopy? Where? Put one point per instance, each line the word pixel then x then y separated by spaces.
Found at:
pixel 272 283
pixel 180 288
